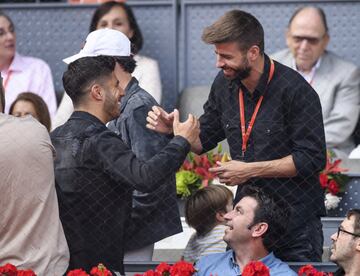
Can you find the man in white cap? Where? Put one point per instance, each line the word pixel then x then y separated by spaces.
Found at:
pixel 95 170
pixel 157 208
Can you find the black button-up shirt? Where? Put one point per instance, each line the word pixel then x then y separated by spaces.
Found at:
pixel 289 122
pixel 95 174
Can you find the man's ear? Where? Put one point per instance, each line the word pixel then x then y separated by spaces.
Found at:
pixel 96 92
pixel 253 53
pixel 260 229
pixel 357 246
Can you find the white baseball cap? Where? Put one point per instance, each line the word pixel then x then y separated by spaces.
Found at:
pixel 103 42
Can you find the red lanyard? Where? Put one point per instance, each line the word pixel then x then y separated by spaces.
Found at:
pixel 5 82
pixel 245 133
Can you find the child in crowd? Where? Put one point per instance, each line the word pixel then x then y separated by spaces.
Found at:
pixel 204 211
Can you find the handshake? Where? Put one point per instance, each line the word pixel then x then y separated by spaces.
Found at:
pixel 167 123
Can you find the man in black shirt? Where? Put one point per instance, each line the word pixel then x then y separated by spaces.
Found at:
pixel 96 172
pixel 272 120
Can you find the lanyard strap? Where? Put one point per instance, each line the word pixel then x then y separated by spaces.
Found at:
pixel 245 133
pixel 6 81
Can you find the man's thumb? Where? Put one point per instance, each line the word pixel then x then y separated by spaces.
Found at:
pixel 176 116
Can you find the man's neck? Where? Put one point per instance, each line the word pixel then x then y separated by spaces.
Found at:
pixel 351 268
pixel 257 70
pixel 97 112
pixel 245 254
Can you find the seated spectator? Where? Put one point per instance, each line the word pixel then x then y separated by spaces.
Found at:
pixel 95 170
pixel 31 234
pixel 336 81
pixel 254 227
pixel 28 103
pixel 204 211
pixel 119 16
pixel 22 73
pixel 345 251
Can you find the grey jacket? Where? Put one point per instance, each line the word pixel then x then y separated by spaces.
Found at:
pixel 155 215
pixel 337 83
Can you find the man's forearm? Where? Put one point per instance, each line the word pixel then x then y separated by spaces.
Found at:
pixel 284 167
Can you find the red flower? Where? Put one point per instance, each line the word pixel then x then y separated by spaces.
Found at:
pixel 77 272
pixel 182 268
pixel 323 180
pixel 151 273
pixel 8 270
pixel 256 268
pixel 309 270
pixel 25 273
pixel 100 270
pixel 333 187
pixel 163 268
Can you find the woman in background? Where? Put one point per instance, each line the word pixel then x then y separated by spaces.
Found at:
pixel 119 16
pixel 22 73
pixel 28 103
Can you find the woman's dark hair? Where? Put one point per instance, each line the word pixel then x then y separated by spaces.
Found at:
pixel 136 39
pixel 7 17
pixel 41 109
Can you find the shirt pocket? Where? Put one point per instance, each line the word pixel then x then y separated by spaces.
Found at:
pixel 271 140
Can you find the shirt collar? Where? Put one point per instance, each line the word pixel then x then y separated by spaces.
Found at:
pixel 308 76
pixel 85 116
pixel 263 81
pixel 267 260
pixel 16 64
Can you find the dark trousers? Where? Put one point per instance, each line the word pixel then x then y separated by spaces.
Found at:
pixel 302 243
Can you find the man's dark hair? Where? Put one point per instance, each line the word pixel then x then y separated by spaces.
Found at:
pixel 136 39
pixel 202 206
pixel 128 64
pixel 356 214
pixel 236 26
pixel 2 96
pixel 82 73
pixel 320 11
pixel 274 212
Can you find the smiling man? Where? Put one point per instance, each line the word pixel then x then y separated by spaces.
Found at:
pixel 336 81
pixel 271 118
pixel 346 245
pixel 95 171
pixel 254 227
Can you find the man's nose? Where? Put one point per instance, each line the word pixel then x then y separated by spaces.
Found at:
pixel 333 237
pixel 304 44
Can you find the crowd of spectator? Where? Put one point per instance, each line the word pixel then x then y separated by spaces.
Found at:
pixel 100 185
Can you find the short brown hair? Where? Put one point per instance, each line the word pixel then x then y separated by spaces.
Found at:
pixel 236 26
pixel 41 109
pixel 356 214
pixel 202 206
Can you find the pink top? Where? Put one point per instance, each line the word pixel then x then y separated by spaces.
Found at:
pixel 29 74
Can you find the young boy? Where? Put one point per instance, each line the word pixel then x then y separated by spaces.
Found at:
pixel 204 211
